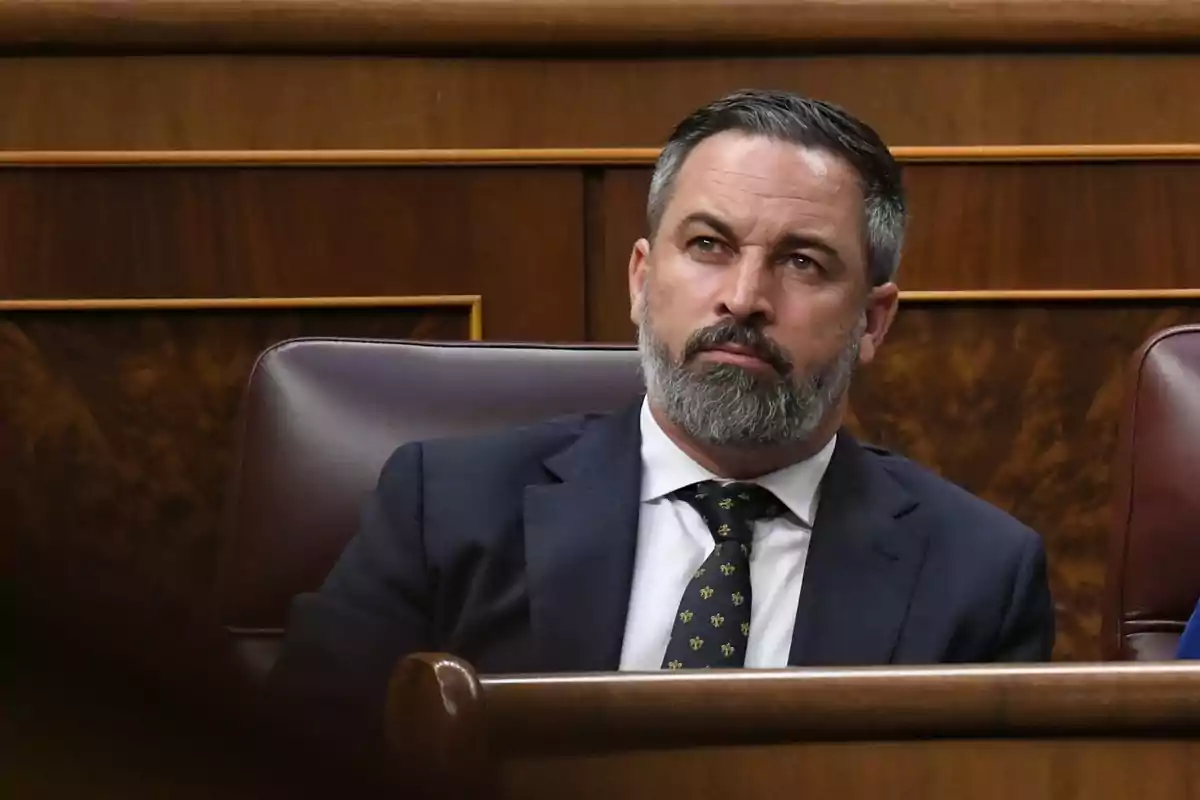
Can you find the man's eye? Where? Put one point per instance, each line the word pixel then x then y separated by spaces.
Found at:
pixel 801 261
pixel 706 245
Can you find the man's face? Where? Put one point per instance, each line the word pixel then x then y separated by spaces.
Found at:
pixel 753 302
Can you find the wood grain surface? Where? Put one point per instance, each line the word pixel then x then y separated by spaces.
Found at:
pixel 1056 732
pixel 293 102
pixel 117 429
pixel 593 713
pixel 278 232
pixel 422 25
pixel 995 769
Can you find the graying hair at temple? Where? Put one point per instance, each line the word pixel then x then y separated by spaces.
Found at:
pixel 809 123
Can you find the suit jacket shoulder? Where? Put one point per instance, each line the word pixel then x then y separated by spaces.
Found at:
pixel 438 563
pixel 502 455
pixel 464 478
pixel 946 502
pixel 984 562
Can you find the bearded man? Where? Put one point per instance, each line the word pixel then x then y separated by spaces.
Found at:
pixel 727 520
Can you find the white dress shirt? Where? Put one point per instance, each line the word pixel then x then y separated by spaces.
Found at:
pixel 673 542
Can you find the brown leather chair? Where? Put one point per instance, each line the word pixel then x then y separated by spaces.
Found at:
pixel 1154 558
pixel 321 416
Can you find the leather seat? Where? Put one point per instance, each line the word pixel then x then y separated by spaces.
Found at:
pixel 1153 579
pixel 321 416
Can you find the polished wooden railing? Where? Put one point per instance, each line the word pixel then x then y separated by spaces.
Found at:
pixel 1036 731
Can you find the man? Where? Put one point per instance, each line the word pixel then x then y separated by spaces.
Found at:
pixel 727 520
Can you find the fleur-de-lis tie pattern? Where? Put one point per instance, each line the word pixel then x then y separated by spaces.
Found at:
pixel 712 625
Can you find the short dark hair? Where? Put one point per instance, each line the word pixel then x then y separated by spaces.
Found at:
pixel 811 123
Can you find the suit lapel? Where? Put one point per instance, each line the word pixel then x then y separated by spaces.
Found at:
pixel 862 565
pixel 580 537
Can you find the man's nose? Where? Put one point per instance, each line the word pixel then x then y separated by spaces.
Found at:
pixel 748 289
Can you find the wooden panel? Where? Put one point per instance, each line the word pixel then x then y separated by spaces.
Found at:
pixel 116 430
pixel 935 769
pixel 521 715
pixel 616 218
pixel 1111 226
pixel 528 24
pixel 995 731
pixel 296 102
pixel 1120 225
pixel 178 232
pixel 1019 404
pixel 620 222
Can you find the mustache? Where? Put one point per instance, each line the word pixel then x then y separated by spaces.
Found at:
pixel 747 336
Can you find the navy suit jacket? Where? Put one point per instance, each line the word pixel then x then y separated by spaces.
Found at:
pixel 515 550
pixel 1189 643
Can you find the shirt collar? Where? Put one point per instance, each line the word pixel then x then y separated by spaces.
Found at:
pixel 666 468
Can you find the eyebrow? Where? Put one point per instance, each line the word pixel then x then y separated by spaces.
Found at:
pixel 788 242
pixel 704 218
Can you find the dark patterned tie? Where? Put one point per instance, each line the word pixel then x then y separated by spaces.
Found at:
pixel 712 625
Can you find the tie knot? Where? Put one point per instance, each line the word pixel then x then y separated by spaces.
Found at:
pixel 729 509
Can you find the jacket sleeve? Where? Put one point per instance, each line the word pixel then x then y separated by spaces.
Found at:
pixel 374 607
pixel 1027 630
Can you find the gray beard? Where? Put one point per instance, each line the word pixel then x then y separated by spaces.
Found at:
pixel 728 406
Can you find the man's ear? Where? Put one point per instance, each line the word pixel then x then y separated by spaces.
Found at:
pixel 882 304
pixel 638 264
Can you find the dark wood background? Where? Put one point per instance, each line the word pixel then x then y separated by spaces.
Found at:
pixel 115 425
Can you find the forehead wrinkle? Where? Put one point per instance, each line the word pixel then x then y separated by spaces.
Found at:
pixel 803 217
pixel 827 185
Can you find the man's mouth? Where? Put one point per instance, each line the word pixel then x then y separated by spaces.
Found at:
pixel 737 354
